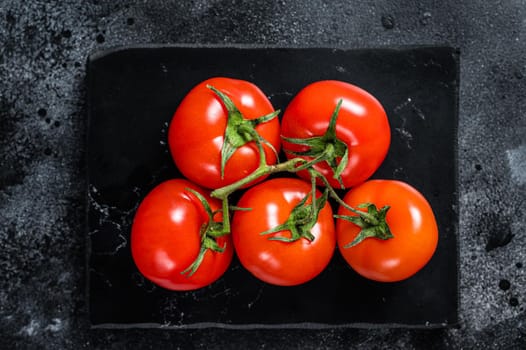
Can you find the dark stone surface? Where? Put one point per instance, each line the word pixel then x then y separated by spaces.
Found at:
pixel 44 46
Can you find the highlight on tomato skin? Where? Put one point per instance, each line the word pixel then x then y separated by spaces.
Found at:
pixel 411 221
pixel 262 252
pixel 166 237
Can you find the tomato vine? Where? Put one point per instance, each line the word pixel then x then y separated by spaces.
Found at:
pixel 327 148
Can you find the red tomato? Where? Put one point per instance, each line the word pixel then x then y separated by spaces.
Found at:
pixel 197 130
pixel 165 237
pixel 361 124
pixel 277 262
pixel 411 221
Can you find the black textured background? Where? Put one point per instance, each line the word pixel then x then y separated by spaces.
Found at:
pixel 43 49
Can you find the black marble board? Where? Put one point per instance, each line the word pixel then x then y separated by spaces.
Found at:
pixel 132 94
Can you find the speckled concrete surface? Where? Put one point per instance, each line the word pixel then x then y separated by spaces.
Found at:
pixel 43 48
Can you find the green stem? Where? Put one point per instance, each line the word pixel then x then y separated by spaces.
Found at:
pixel 370 218
pixel 262 155
pixel 326 154
pixel 328 148
pixel 313 193
pixel 265 169
pixel 240 131
pixel 301 219
pixel 226 215
pixel 190 270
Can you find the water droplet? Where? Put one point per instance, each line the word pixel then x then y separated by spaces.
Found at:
pixel 42 112
pixel 504 284
pixel 426 18
pixel 514 301
pixel 388 22
pixel 100 38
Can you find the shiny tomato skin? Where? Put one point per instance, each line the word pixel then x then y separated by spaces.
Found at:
pixel 165 237
pixel 412 223
pixel 276 262
pixel 196 132
pixel 362 124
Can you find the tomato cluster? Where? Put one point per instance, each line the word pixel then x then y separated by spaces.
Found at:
pixel 225 136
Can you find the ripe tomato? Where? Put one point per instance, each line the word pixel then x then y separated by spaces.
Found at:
pixel 273 261
pixel 166 239
pixel 411 221
pixel 361 125
pixel 197 129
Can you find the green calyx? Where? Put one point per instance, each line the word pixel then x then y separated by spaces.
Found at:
pixel 209 233
pixel 301 220
pixel 372 223
pixel 240 131
pixel 326 148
